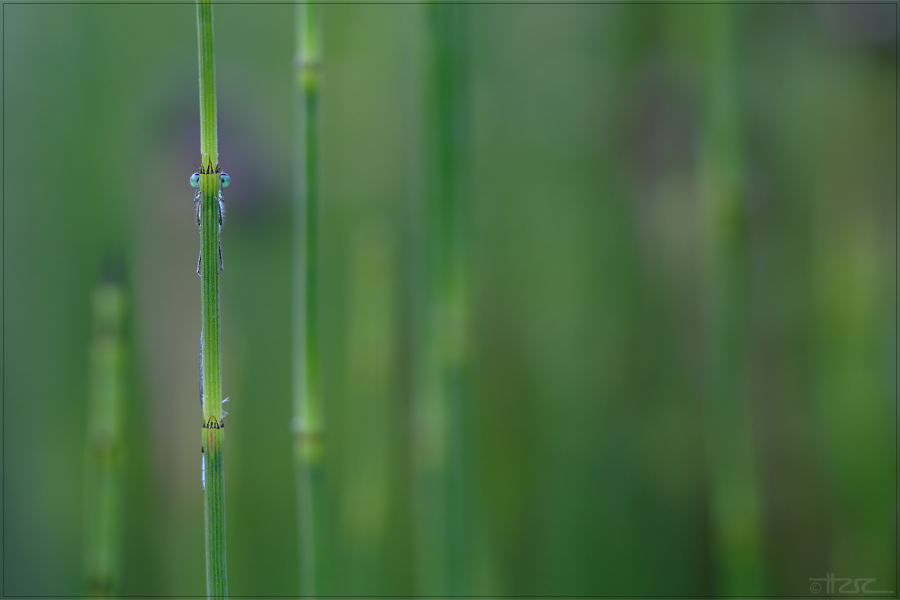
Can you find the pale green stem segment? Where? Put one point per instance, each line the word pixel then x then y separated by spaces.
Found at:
pixel 209 149
pixel 441 414
pixel 308 421
pixel 735 503
pixel 103 464
pixel 213 422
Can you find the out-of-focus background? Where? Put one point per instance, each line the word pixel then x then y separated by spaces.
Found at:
pixel 681 344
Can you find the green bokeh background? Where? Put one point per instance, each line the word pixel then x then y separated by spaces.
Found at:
pixel 602 293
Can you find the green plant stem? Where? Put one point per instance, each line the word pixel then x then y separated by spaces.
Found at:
pixel 308 423
pixel 371 365
pixel 735 495
pixel 441 410
pixel 103 477
pixel 213 433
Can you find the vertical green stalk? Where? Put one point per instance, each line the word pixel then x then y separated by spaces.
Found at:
pixel 213 433
pixel 441 398
pixel 103 483
pixel 308 424
pixel 735 495
pixel 365 527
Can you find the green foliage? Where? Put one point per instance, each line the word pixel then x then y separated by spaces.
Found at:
pixel 592 343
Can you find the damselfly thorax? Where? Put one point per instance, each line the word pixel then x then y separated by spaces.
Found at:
pixel 224 182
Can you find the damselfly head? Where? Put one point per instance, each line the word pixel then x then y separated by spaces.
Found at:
pixel 224 179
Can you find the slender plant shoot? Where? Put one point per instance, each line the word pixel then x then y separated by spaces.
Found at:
pixel 735 505
pixel 441 418
pixel 103 483
pixel 209 183
pixel 308 422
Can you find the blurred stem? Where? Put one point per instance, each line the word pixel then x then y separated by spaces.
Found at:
pixel 103 474
pixel 370 542
pixel 213 438
pixel 731 448
pixel 440 410
pixel 309 445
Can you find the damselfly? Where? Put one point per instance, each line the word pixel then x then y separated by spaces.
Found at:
pixel 224 182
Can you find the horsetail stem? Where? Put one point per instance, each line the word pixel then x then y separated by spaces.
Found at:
pixel 103 472
pixel 308 422
pixel 441 399
pixel 734 482
pixel 209 215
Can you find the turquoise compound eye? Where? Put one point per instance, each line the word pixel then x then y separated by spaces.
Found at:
pixel 225 179
pixel 195 180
